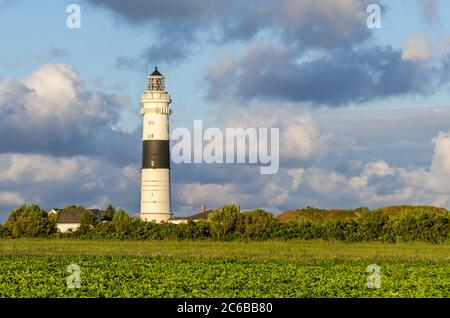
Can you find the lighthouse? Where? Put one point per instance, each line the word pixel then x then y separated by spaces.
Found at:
pixel 155 178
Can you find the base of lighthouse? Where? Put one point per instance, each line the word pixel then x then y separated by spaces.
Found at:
pixel 155 195
pixel 155 217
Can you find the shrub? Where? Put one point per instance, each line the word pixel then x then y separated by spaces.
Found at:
pixel 342 231
pixel 88 221
pixel 123 225
pixel 422 226
pixel 372 225
pixel 30 221
pixel 257 225
pixel 227 223
pixel 224 222
pixel 193 230
pixel 299 229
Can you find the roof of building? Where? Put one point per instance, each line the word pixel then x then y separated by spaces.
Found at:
pixel 156 72
pixel 73 214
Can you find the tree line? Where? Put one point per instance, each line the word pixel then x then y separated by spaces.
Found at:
pixel 228 223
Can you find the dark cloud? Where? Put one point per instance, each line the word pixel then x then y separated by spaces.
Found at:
pixel 339 77
pixel 120 148
pixel 58 52
pixel 166 11
pixel 171 49
pixel 320 24
pixel 181 24
pixel 125 63
pixel 178 23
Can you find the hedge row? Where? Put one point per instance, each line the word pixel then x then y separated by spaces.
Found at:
pixel 227 223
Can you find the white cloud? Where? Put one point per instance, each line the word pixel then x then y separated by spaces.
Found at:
pixel 417 48
pixel 52 112
pixel 378 168
pixel 300 138
pixel 215 195
pixel 55 96
pixel 10 198
pixel 441 158
pixel 276 193
pixel 297 177
pixel 325 182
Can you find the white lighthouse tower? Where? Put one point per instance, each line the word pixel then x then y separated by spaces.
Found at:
pixel 155 183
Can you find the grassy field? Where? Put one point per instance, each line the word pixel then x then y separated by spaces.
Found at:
pixel 38 268
pixel 273 250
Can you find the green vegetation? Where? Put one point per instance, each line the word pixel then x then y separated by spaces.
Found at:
pixel 401 224
pixel 87 220
pixel 28 221
pixel 38 268
pixel 291 251
pixel 149 277
pixel 321 216
pixel 304 253
pixel 109 212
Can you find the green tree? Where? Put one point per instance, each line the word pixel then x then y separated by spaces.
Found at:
pixel 258 224
pixel 30 221
pixel 123 225
pixel 87 218
pixel 87 222
pixel 224 221
pixel 109 213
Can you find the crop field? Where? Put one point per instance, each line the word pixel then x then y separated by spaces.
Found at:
pixel 38 268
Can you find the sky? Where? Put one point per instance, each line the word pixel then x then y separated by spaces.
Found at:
pixel 363 113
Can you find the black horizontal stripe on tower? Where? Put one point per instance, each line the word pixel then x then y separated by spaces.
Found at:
pixel 155 154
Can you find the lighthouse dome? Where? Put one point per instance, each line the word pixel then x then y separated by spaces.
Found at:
pixel 156 72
